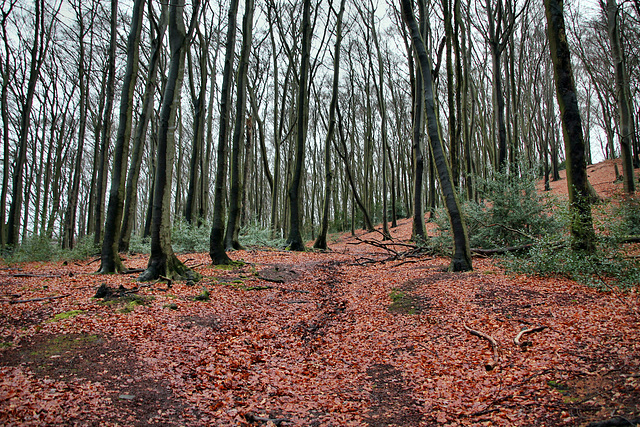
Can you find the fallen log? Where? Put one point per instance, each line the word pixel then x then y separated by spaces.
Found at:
pixel 494 346
pixel 36 299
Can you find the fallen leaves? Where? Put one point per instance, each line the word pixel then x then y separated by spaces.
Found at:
pixel 308 338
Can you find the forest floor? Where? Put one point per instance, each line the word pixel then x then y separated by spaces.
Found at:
pixel 344 337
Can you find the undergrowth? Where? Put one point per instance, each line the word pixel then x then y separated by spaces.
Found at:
pixel 511 213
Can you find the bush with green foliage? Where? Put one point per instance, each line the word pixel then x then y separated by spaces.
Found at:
pixel 35 248
pixel 510 213
pixel 255 235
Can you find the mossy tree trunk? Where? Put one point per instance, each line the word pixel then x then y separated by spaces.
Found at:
pixel 163 262
pixel 583 235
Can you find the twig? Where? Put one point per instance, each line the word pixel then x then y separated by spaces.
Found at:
pixel 94 260
pixel 494 346
pixel 133 271
pixel 37 299
pixel 525 344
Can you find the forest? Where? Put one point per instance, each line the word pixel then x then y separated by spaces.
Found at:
pixel 269 212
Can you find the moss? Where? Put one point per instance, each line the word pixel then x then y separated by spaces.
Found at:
pixel 61 344
pixel 66 315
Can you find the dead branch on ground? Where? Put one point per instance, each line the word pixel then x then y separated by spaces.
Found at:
pixel 35 299
pixel 524 344
pixel 494 346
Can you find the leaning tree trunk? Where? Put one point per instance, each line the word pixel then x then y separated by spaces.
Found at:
pixel 622 91
pixel 583 235
pixel 216 239
pixel 235 193
pixel 461 259
pixel 294 240
pixel 321 240
pixel 111 262
pixel 163 262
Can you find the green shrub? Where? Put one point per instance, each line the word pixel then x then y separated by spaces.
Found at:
pixel 187 238
pixel 84 248
pixel 256 235
pixel 35 248
pixel 510 213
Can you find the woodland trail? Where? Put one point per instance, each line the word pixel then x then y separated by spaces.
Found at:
pixel 334 338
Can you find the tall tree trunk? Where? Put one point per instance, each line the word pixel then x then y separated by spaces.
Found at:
pixel 105 137
pixel 216 239
pixel 235 193
pixel 622 95
pixel 162 261
pixel 294 239
pixel 197 151
pixel 582 232
pixel 37 58
pixel 69 225
pixel 131 192
pixel 5 69
pixel 461 259
pixel 111 262
pixel 321 240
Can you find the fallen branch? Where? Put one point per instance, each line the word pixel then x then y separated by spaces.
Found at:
pixel 499 251
pixel 37 299
pixel 36 275
pixel 523 345
pixel 268 279
pixel 494 346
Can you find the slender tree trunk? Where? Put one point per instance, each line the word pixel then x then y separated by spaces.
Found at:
pixel 37 57
pixel 197 151
pixel 582 232
pixel 231 236
pixel 111 262
pixel 461 259
pixel 131 192
pixel 294 240
pixel 622 95
pixel 216 240
pixel 321 240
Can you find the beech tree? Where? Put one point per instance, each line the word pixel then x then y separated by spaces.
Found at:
pixel 216 243
pixel 162 261
pixel 294 239
pixel 110 259
pixel 461 259
pixel 582 232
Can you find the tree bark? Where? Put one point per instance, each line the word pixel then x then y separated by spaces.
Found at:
pixel 233 226
pixel 321 240
pixel 163 262
pixel 622 95
pixel 582 232
pixel 131 192
pixel 461 259
pixel 111 262
pixel 216 239
pixel 294 239
pixel 105 137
